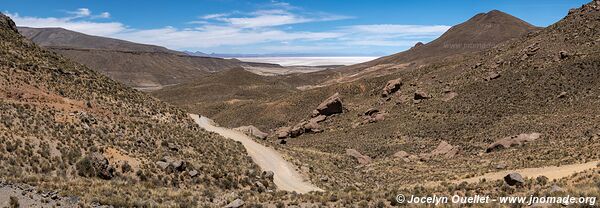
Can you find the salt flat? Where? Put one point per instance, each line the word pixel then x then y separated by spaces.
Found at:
pixel 309 61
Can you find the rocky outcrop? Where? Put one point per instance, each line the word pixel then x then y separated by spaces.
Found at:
pixel 235 204
pixel 283 132
pixel 95 165
pixel 511 141
pixel 6 22
pixel 362 159
pixel 514 179
pixel 332 105
pixel 444 150
pixel 170 164
pixel 372 115
pixel 252 131
pixel 391 87
pixel 491 76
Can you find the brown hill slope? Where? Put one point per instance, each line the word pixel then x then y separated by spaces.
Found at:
pixel 483 31
pixel 547 82
pixel 67 128
pixel 136 65
pixel 54 37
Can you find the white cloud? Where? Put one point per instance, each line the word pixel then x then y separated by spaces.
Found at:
pixel 103 15
pixel 264 29
pixel 81 12
pixel 214 16
pixel 83 26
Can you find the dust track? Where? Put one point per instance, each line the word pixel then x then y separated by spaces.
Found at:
pixel 286 178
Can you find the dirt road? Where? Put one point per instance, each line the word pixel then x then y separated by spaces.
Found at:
pixel 552 172
pixel 286 177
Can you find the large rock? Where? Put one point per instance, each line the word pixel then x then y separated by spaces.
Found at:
pixel 252 131
pixel 421 95
pixel 511 141
pixel 391 87
pixel 312 127
pixel 283 132
pixel 95 164
pixel 514 179
pixel 297 130
pixel 332 105
pixel 235 204
pixel 444 149
pixel 362 159
pixel 268 174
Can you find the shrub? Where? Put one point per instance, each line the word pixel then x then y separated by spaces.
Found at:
pixel 85 168
pixel 14 202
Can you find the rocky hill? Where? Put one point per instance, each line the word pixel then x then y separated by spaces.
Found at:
pixel 528 102
pixel 73 132
pixel 481 32
pixel 145 67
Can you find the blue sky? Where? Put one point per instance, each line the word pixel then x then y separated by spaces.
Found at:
pixel 269 26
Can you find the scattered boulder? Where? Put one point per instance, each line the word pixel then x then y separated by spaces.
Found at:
pixel 556 188
pixel 500 166
pixel 261 187
pixel 283 132
pixel 162 165
pixel 95 165
pixel 252 131
pixel 492 75
pixel 235 204
pixel 362 159
pixel 172 147
pixel 449 96
pixel 421 95
pixel 193 173
pixel 268 174
pixel 444 149
pixel 372 115
pixel 332 105
pixel 371 111
pixel 401 154
pixel 562 95
pixel 514 179
pixel 511 141
pixel 166 162
pixel 391 87
pixel 563 55
pixel 297 130
pixel 312 127
pixel 318 119
pixel 179 165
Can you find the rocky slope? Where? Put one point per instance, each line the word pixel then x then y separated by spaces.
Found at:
pixel 141 66
pixel 481 32
pixel 71 131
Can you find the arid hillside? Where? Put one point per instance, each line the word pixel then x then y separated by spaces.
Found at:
pixel 77 134
pixel 481 32
pixel 526 102
pixel 145 67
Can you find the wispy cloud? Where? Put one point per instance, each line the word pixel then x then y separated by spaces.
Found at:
pixel 269 28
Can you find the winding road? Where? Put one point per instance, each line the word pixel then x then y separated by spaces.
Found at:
pixel 286 178
pixel 551 172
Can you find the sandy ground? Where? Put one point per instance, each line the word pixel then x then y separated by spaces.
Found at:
pixel 286 178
